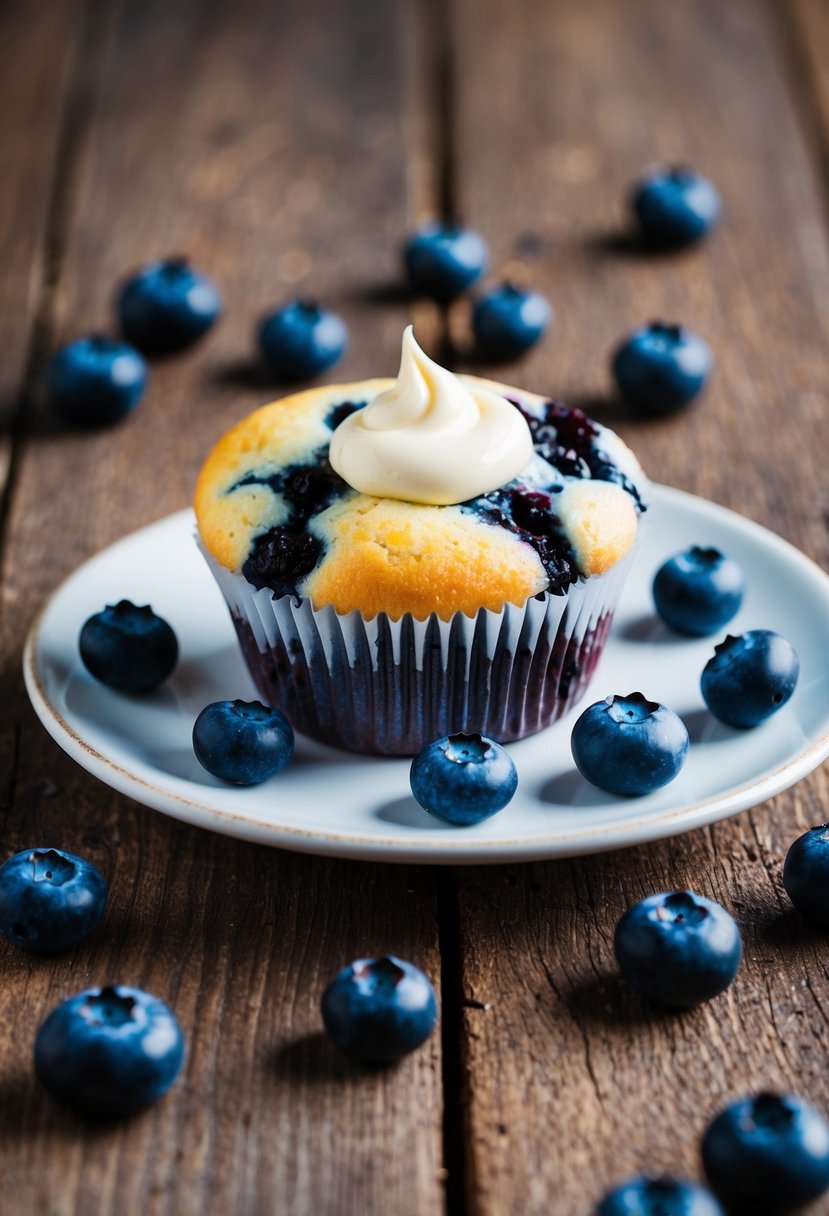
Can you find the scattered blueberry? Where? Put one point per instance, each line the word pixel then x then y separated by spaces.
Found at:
pixel 242 742
pixel 698 591
pixel 463 779
pixel 659 1196
pixel 675 207
pixel 678 948
pixel 301 340
pixel 508 320
pixel 661 368
pixel 109 1052
pixel 379 1009
pixel 50 900
pixel 750 677
pixel 767 1154
pixel 128 647
pixel 629 745
pixel 806 874
pixel 167 306
pixel 95 381
pixel 444 260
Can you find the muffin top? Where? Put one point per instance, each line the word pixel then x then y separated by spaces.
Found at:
pixel 461 494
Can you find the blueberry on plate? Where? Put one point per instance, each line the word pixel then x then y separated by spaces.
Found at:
pixel 749 677
pixel 95 381
pixel 675 207
pixel 767 1154
pixel 242 742
pixel 379 1009
pixel 806 874
pixel 698 591
pixel 678 948
pixel 508 320
pixel 629 745
pixel 463 779
pixel 128 647
pixel 661 1195
pixel 167 306
pixel 50 900
pixel 444 260
pixel 661 368
pixel 109 1052
pixel 302 340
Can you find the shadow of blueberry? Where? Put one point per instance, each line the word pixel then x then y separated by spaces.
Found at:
pixel 314 1060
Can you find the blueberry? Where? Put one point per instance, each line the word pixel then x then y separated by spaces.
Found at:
pixel 698 591
pixel 128 647
pixel 806 874
pixel 507 321
pixel 301 340
pixel 675 207
pixel 109 1052
pixel 750 677
pixel 678 948
pixel 661 368
pixel 379 1009
pixel 242 742
pixel 659 1196
pixel 50 900
pixel 95 381
pixel 767 1154
pixel 629 745
pixel 463 779
pixel 444 260
pixel 167 306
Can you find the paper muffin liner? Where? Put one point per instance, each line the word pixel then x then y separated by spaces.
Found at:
pixel 390 687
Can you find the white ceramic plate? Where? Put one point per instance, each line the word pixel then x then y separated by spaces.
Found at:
pixel 334 802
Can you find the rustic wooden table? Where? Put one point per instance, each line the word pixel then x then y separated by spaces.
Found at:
pixel 287 148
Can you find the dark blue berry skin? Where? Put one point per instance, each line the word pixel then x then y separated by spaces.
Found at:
pixel 698 591
pixel 444 260
pixel 806 874
pixel 661 368
pixel 96 381
pixel 167 306
pixel 463 779
pixel 302 340
pixel 128 647
pixel 750 677
pixel 109 1052
pixel 660 1196
pixel 379 1009
pixel 675 207
pixel 629 745
pixel 678 948
pixel 507 321
pixel 242 742
pixel 767 1154
pixel 50 900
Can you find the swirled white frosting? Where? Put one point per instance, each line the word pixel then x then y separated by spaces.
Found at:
pixel 431 438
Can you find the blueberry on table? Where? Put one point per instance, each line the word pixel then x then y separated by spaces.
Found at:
pixel 698 591
pixel 50 900
pixel 659 1196
pixel 166 306
pixel 444 260
pixel 806 874
pixel 508 320
pixel 379 1009
pixel 109 1052
pixel 767 1154
pixel 242 742
pixel 661 368
pixel 675 207
pixel 678 948
pixel 96 381
pixel 750 677
pixel 463 779
pixel 128 647
pixel 629 745
pixel 302 340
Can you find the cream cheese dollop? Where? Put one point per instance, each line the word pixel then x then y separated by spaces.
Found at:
pixel 431 438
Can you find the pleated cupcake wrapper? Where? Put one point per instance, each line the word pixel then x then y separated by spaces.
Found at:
pixel 385 686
